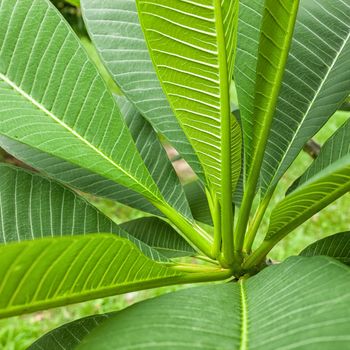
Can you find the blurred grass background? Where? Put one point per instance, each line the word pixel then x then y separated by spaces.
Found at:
pixel 17 333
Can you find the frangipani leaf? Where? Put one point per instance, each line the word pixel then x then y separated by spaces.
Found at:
pixel 150 149
pixel 192 46
pixel 316 81
pixel 327 179
pixel 298 304
pixel 336 246
pixel 69 334
pixel 248 35
pixel 159 235
pixel 50 272
pixel 33 207
pixel 53 99
pixel 76 177
pixel 115 30
pixel 198 202
pixel 155 158
pixel 277 27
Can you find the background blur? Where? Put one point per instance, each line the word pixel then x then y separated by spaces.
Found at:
pixel 17 333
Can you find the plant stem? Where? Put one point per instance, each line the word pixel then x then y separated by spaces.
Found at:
pixel 218 275
pixel 215 211
pixel 193 268
pixel 243 217
pixel 206 259
pixel 258 255
pixel 226 181
pixel 194 234
pixel 254 226
pixel 217 229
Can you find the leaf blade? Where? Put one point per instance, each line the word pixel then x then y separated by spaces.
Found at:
pixel 327 179
pixel 52 272
pixel 317 78
pixel 22 94
pixel 336 246
pixel 115 30
pixel 287 292
pixel 159 235
pixel 197 45
pixel 34 207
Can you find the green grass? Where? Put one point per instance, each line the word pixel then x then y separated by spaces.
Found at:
pixel 18 333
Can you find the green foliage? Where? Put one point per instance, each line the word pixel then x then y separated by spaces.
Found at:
pixel 238 325
pixel 174 62
pixel 337 246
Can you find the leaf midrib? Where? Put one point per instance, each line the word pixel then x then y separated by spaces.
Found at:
pixel 297 220
pixel 225 154
pixel 244 316
pixel 334 167
pixel 310 107
pixel 77 135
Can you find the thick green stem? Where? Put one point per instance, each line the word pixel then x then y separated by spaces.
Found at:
pixel 194 234
pixel 193 268
pixel 215 211
pixel 243 217
pixel 226 181
pixel 217 229
pixel 258 255
pixel 212 276
pixel 254 226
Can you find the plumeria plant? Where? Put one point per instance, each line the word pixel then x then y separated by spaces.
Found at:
pixel 237 87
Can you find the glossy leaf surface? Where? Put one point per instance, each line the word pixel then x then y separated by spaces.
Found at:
pixel 316 81
pixel 69 334
pixel 34 207
pixel 47 78
pixel 198 202
pixel 159 235
pixel 116 32
pixel 248 36
pixel 298 304
pixel 277 27
pixel 327 179
pixel 50 272
pixel 336 246
pixel 192 46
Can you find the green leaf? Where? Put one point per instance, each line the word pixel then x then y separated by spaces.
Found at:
pixel 276 35
pixel 50 272
pixel 327 179
pixel 149 147
pixel 115 30
pixel 277 26
pixel 316 81
pixel 248 35
pixel 336 246
pixel 198 202
pixel 299 304
pixel 51 95
pixel 76 177
pixel 192 48
pixel 69 334
pixel 155 158
pixel 159 235
pixel 33 207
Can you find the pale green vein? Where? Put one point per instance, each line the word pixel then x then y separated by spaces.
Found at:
pixel 244 317
pixel 77 135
